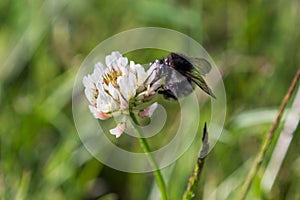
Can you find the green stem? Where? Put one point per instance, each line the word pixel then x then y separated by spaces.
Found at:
pixel 145 146
pixel 194 179
pixel 267 140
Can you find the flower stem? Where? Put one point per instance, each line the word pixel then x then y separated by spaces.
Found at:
pixel 268 139
pixel 145 146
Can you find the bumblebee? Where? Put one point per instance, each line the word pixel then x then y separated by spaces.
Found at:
pixel 179 74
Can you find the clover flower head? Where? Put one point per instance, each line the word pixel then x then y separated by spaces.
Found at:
pixel 111 89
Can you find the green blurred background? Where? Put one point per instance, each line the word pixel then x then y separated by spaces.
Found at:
pixel 255 44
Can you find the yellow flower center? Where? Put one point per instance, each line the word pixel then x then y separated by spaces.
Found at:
pixel 111 77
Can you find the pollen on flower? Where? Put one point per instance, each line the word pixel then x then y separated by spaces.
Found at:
pixel 96 93
pixel 111 76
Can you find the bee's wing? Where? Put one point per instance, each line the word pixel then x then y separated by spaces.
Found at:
pixel 200 64
pixel 198 79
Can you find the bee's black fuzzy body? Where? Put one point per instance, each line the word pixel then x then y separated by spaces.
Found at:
pixel 180 74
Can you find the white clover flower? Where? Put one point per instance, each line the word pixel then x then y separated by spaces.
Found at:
pixel 110 90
